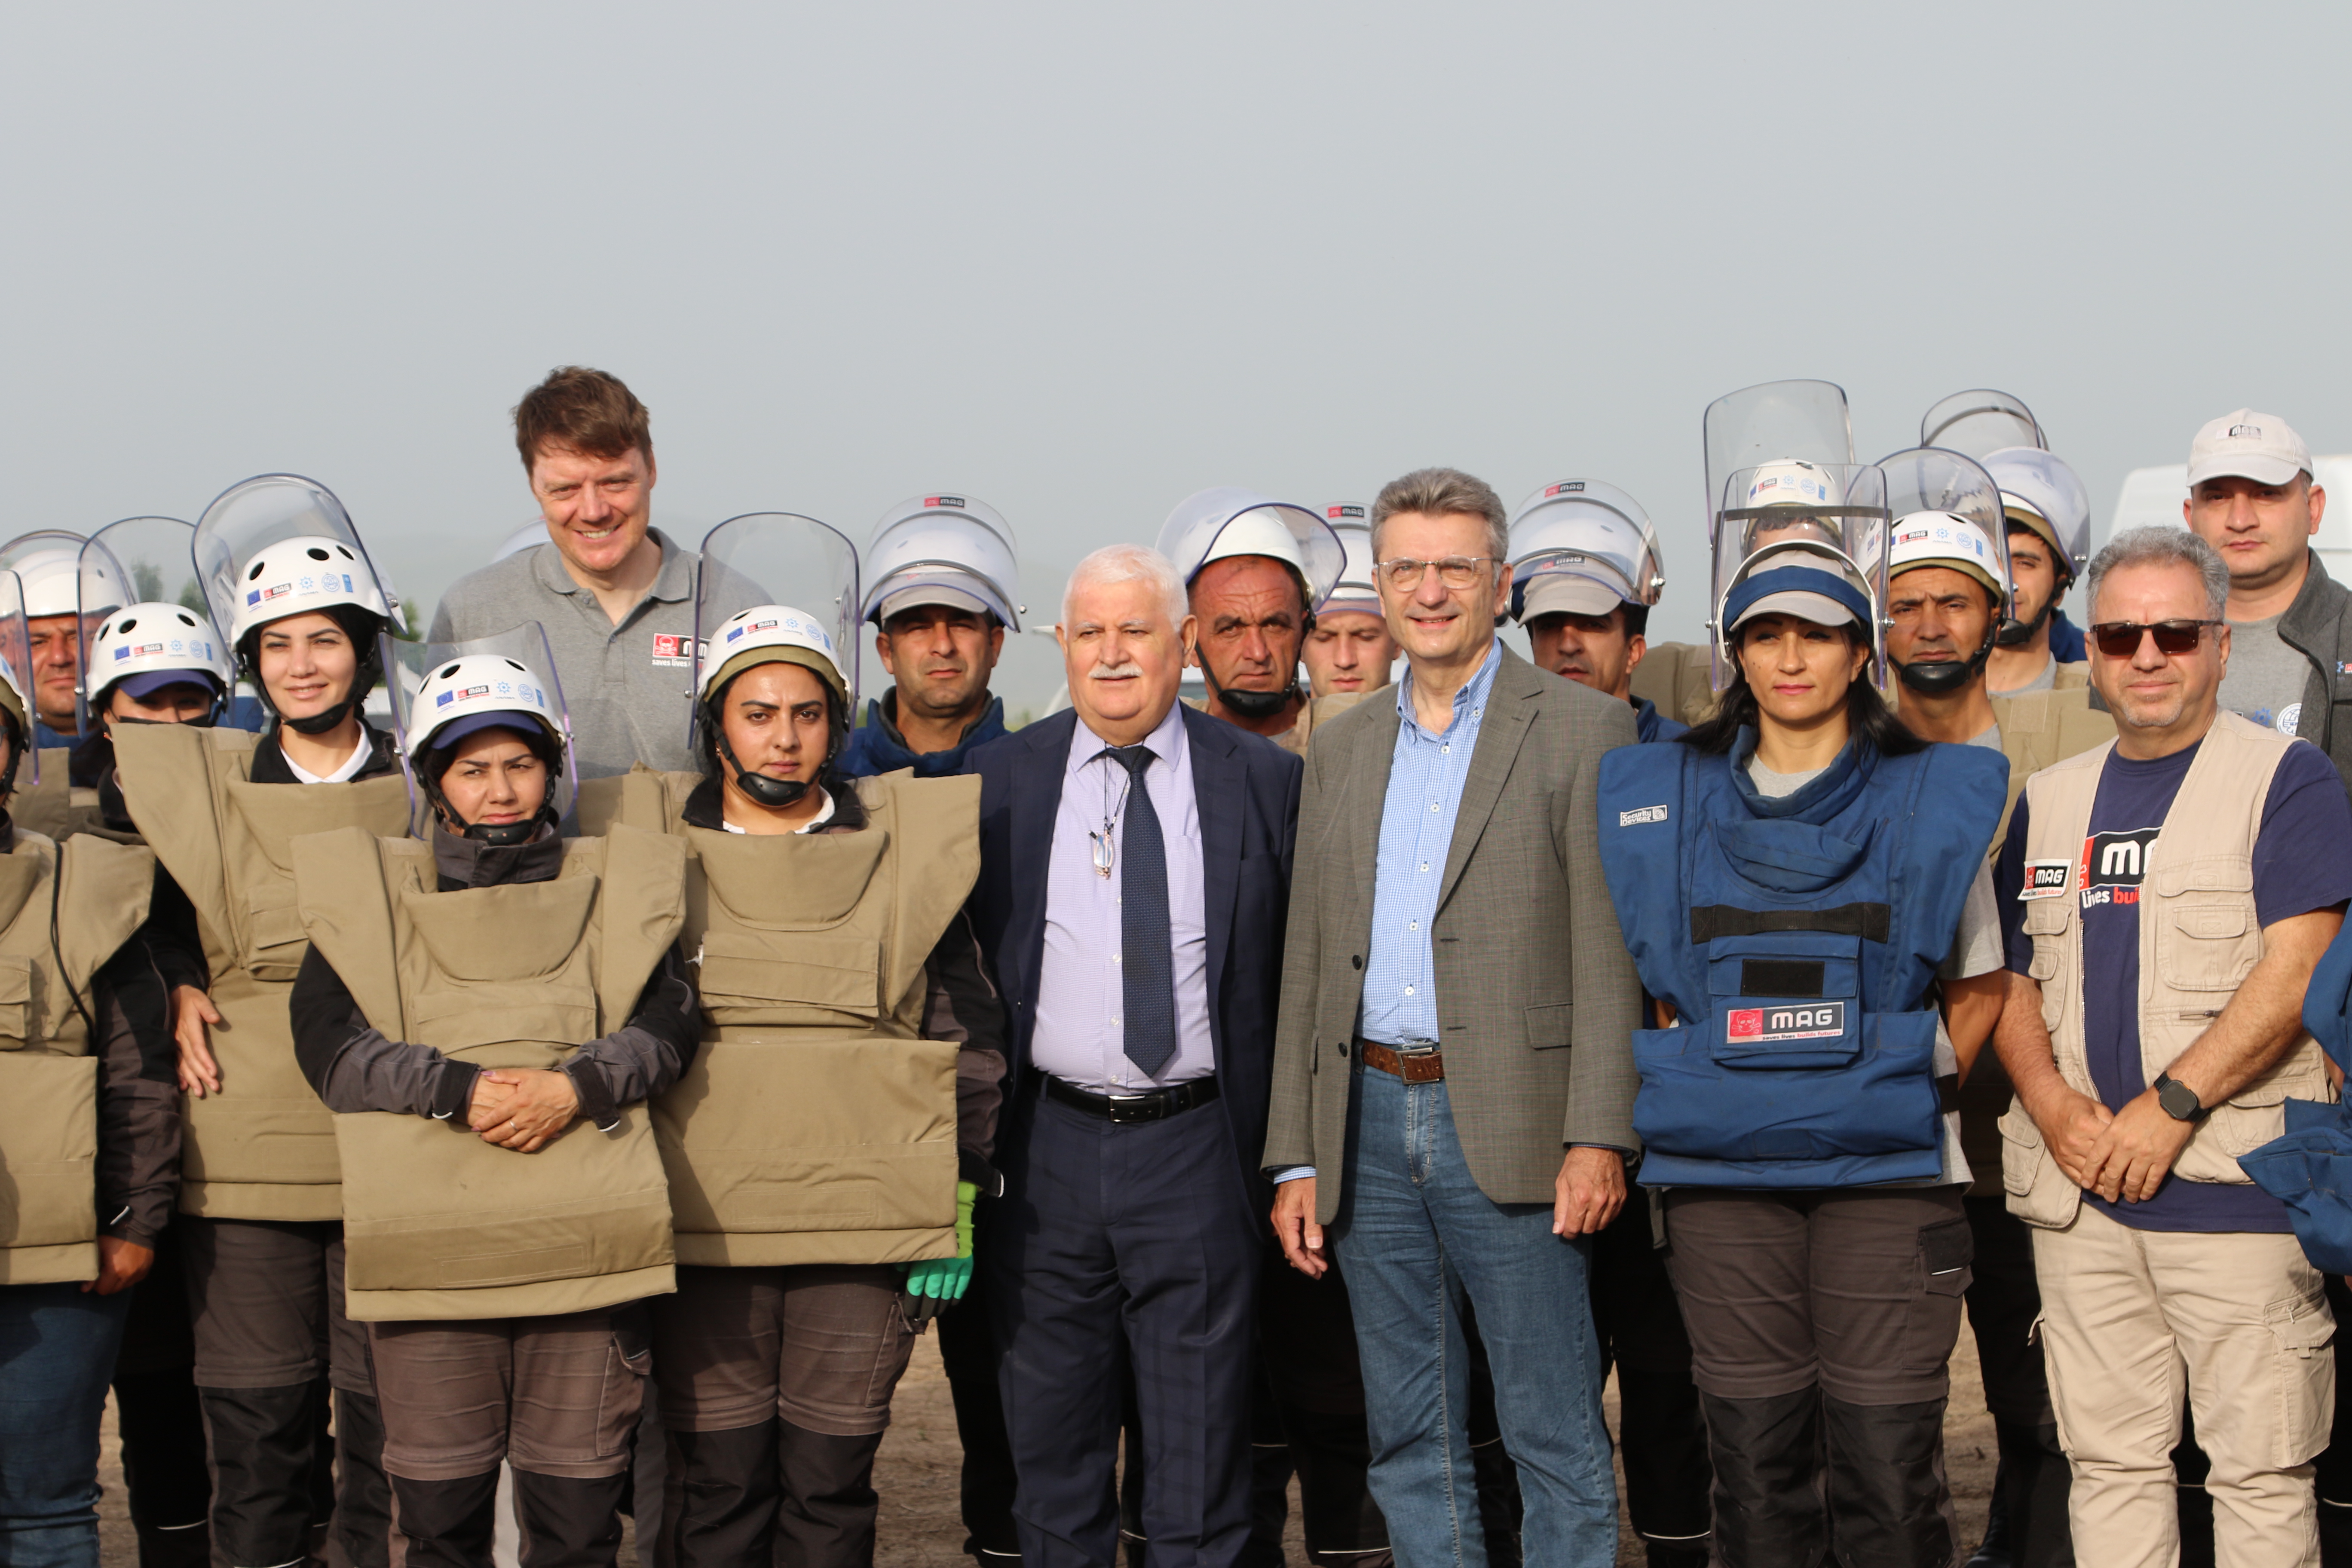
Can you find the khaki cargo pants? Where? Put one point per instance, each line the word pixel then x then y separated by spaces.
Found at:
pixel 2131 1318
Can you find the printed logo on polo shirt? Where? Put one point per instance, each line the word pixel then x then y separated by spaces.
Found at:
pixel 672 651
pixel 2113 865
pixel 1759 1025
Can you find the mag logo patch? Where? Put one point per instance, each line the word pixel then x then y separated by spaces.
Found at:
pixel 672 651
pixel 1767 1026
pixel 2046 879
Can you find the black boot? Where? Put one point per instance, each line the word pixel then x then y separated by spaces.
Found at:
pixel 1996 1550
pixel 264 1450
pixel 826 1517
pixel 449 1524
pixel 1667 1477
pixel 720 1495
pixel 1768 1510
pixel 569 1523
pixel 362 1491
pixel 1888 1502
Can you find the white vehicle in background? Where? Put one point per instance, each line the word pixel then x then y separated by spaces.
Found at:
pixel 2153 496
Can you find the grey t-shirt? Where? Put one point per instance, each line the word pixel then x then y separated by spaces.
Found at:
pixel 2045 681
pixel 625 687
pixel 2265 678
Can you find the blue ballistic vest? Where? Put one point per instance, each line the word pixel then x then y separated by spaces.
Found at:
pixel 1796 940
pixel 2310 1169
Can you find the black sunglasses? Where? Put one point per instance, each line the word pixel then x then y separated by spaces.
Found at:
pixel 2120 640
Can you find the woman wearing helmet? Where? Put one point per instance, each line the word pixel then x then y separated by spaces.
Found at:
pixel 90 1141
pixel 262 1204
pixel 826 1146
pixel 486 1013
pixel 1783 878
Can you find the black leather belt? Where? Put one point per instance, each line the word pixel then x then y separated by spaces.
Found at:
pixel 1151 1105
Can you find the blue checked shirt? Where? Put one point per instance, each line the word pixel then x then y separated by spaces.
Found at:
pixel 1425 776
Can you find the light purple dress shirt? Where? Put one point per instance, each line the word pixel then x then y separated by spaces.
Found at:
pixel 1080 1036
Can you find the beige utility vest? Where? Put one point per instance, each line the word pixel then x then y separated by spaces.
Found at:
pixel 55 807
pixel 437 1224
pixel 2041 728
pixel 263 1148
pixel 48 1077
pixel 2198 938
pixel 817 1124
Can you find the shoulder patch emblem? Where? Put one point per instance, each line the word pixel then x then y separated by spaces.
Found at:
pixel 2045 879
pixel 1646 814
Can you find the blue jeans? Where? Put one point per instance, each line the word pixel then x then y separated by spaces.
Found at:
pixel 1417 1237
pixel 57 1355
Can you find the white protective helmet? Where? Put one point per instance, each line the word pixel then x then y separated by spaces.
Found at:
pixel 1947 539
pixel 52 580
pixel 144 648
pixel 1793 482
pixel 479 691
pixel 1224 521
pixel 771 633
pixel 296 576
pixel 936 549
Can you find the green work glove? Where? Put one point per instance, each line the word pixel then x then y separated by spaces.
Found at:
pixel 936 1283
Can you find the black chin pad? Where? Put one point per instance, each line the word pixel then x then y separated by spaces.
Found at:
pixel 1255 704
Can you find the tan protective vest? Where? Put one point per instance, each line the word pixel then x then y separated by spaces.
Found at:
pixel 2200 936
pixel 263 1148
pixel 55 807
pixel 816 1125
pixel 437 1224
pixel 1678 679
pixel 48 1077
pixel 2040 729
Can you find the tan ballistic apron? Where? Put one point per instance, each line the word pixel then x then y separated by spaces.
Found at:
pixel 263 1148
pixel 815 1124
pixel 55 807
pixel 48 1077
pixel 437 1222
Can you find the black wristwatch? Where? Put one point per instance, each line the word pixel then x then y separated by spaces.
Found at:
pixel 2180 1101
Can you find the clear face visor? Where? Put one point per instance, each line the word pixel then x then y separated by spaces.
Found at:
pixel 2052 491
pixel 1582 537
pixel 409 666
pixel 250 517
pixel 1978 422
pixel 1358 587
pixel 1923 486
pixel 1225 517
pixel 773 558
pixel 16 668
pixel 1842 535
pixel 138 561
pixel 944 549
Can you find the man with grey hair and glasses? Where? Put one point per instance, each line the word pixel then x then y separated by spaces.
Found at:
pixel 1134 868
pixel 1454 1084
pixel 2164 900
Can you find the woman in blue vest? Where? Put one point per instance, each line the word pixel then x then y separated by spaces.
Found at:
pixel 1790 877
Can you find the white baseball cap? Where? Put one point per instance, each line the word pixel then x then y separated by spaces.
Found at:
pixel 2246 445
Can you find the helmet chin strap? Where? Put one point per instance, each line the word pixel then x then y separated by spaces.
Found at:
pixel 2017 634
pixel 320 723
pixel 1250 704
pixel 506 835
pixel 1943 676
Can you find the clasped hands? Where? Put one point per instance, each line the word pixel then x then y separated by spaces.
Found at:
pixel 2122 1155
pixel 521 1109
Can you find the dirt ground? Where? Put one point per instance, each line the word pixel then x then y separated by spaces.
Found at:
pixel 916 1474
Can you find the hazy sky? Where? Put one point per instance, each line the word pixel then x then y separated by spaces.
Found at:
pixel 1082 261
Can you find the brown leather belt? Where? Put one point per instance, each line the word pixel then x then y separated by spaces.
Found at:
pixel 1414 1066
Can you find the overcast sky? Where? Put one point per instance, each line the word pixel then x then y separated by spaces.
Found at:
pixel 1083 260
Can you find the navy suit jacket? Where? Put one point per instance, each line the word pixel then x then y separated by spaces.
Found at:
pixel 1247 790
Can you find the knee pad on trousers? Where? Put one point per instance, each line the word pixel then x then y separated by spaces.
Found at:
pixel 1768 1459
pixel 163 1426
pixel 450 1523
pixel 265 1446
pixel 1886 1489
pixel 825 1516
pixel 362 1491
pixel 569 1522
pixel 719 1492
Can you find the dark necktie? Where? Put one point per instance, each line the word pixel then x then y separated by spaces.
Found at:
pixel 1146 963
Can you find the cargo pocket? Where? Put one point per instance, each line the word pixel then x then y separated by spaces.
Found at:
pixel 2045 922
pixel 2303 1327
pixel 2038 1193
pixel 2207 938
pixel 1947 1250
pixel 15 1002
pixel 628 1358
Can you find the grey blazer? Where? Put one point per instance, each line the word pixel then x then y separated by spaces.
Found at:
pixel 1536 997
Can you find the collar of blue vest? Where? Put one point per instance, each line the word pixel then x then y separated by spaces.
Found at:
pixel 1822 797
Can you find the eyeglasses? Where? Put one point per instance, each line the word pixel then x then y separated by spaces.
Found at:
pixel 1455 571
pixel 2120 640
